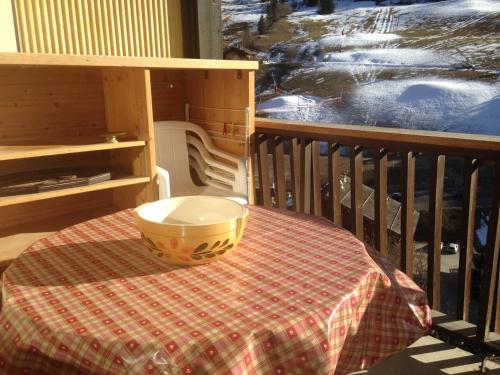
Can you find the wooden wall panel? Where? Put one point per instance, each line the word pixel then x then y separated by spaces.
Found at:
pixel 168 88
pixel 218 102
pixel 43 103
pixel 218 97
pixel 145 28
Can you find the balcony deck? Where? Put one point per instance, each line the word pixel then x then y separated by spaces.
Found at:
pixel 431 356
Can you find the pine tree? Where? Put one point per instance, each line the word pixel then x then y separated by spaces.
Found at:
pixel 261 25
pixel 326 6
pixel 272 10
pixel 311 3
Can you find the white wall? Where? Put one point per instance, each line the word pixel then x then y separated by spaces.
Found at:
pixel 8 41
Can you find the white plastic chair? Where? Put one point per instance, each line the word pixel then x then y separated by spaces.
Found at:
pixel 181 145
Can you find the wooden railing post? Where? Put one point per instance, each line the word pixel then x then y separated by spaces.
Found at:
pixel 357 191
pixel 434 247
pixel 263 165
pixel 295 173
pixel 407 207
pixel 316 178
pixel 490 266
pixel 381 201
pixel 278 152
pixel 495 320
pixel 305 175
pixel 334 182
pixel 467 241
pixel 254 193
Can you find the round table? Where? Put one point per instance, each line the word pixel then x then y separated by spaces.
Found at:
pixel 299 295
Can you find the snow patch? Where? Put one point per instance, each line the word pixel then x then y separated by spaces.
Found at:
pixel 391 56
pixel 355 40
pixel 433 104
pixel 301 108
pixel 287 103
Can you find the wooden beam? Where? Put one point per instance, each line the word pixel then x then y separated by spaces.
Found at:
pixel 38 59
pixel 407 208
pixel 469 145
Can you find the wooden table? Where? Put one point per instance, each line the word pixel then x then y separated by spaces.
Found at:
pixel 299 294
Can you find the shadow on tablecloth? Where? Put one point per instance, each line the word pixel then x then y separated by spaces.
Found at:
pixel 45 264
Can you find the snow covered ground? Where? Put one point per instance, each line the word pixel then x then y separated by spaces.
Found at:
pixel 356 40
pixel 297 107
pixel 288 103
pixel 433 104
pixel 429 66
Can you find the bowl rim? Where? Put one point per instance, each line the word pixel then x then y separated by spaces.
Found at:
pixel 244 212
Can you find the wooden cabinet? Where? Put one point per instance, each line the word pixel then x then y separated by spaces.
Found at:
pixel 54 110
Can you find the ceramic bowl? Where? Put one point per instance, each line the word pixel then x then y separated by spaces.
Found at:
pixel 191 230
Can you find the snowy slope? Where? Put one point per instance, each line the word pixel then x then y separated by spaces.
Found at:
pixel 427 65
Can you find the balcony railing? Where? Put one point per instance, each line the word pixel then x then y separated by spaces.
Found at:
pixel 295 152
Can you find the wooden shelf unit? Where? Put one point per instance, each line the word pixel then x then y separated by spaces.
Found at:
pixel 53 109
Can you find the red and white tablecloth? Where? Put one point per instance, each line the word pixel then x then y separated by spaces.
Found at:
pixel 298 296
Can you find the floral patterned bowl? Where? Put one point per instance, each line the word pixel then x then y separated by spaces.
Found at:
pixel 191 230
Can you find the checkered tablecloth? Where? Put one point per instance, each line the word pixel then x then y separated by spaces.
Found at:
pixel 298 296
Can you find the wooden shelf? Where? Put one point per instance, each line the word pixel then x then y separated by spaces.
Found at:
pixel 38 59
pixel 62 148
pixel 14 240
pixel 111 184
